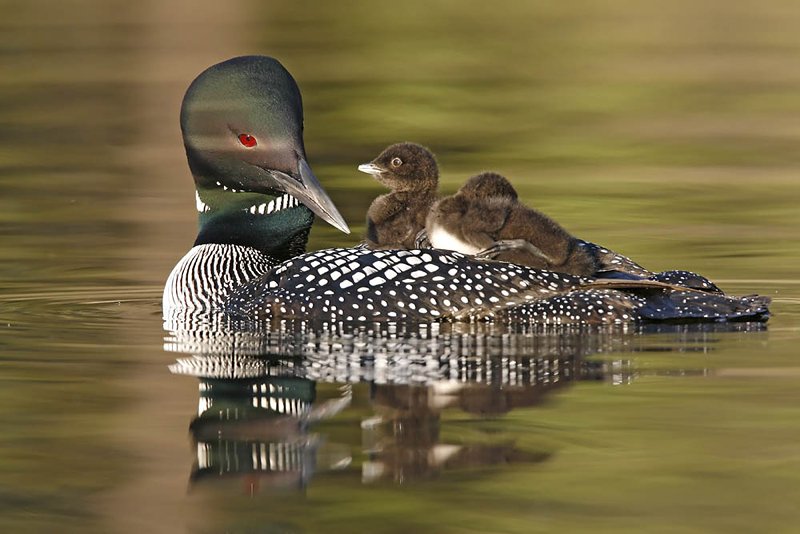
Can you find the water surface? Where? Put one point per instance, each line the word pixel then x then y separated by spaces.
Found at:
pixel 668 133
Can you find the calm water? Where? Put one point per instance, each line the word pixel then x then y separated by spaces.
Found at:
pixel 667 132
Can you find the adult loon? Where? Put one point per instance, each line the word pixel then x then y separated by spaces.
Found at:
pixel 242 127
pixel 395 219
pixel 486 218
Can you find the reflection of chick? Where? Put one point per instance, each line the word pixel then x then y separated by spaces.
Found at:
pixel 395 219
pixel 485 218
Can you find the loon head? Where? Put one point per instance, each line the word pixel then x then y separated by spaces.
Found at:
pixel 242 124
pixel 488 185
pixel 404 167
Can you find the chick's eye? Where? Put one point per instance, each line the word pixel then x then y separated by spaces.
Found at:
pixel 396 162
pixel 247 140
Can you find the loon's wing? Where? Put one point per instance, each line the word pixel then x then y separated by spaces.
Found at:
pixel 360 284
pixel 434 285
pixel 608 260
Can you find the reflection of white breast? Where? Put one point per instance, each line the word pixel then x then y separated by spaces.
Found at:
pixel 441 238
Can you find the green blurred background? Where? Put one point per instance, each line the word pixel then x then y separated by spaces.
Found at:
pixel 668 131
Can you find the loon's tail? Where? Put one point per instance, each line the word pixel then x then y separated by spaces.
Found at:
pixel 685 306
pixel 638 303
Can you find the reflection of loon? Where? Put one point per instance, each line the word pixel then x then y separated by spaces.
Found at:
pixel 257 431
pixel 403 441
pixel 242 127
pixel 257 428
pixel 414 353
pixel 261 417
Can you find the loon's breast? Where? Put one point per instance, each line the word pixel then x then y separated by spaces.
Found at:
pixel 204 278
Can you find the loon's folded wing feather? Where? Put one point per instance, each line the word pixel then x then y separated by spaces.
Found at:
pixel 434 285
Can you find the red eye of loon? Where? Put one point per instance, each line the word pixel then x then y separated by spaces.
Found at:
pixel 247 140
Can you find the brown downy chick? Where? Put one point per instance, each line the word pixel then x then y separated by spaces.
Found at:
pixel 395 219
pixel 486 218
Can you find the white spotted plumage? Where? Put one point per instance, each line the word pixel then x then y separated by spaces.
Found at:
pixel 434 285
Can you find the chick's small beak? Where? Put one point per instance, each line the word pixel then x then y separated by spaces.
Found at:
pixel 370 168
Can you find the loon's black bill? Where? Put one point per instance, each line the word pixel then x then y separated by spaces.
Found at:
pixel 370 168
pixel 311 193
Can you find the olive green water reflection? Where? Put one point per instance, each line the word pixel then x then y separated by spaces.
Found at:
pixel 668 132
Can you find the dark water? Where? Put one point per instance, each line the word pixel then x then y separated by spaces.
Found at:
pixel 668 132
